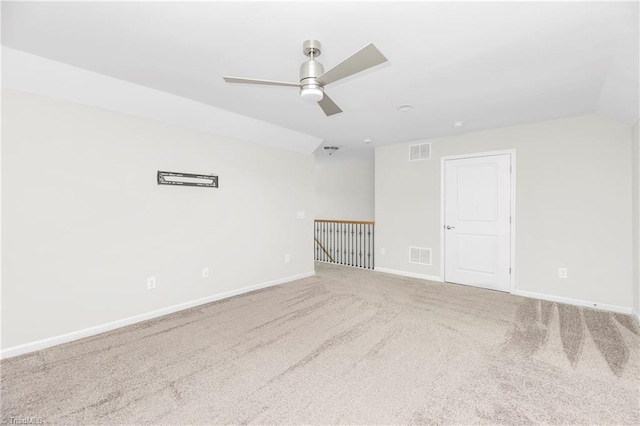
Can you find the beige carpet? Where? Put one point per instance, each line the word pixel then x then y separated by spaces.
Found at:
pixel 346 346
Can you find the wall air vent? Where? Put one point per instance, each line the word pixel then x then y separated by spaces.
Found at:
pixel 420 255
pixel 420 152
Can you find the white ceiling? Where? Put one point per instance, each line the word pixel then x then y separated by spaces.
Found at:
pixel 486 64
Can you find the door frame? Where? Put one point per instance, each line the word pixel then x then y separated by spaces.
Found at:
pixel 512 230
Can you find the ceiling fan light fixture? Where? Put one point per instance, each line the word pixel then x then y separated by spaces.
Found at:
pixel 311 94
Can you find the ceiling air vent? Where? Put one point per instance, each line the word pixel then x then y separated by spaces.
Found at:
pixel 420 152
pixel 420 255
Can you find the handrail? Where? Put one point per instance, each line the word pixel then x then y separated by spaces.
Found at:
pixel 355 222
pixel 324 249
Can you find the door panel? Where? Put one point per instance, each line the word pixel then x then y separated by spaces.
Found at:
pixel 477 196
pixel 477 221
pixel 478 255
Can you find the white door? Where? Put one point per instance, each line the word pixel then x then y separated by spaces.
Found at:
pixel 477 215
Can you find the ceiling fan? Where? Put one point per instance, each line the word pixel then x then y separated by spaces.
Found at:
pixel 313 78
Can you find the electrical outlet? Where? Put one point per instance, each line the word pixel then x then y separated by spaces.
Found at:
pixel 301 214
pixel 383 252
pixel 151 283
pixel 287 258
pixel 205 272
pixel 562 272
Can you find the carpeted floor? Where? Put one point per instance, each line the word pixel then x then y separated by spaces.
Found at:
pixel 345 346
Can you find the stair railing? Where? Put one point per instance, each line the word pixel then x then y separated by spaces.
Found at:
pixel 345 242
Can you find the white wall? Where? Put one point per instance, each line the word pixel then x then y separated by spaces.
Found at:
pixel 635 161
pixel 84 222
pixel 345 191
pixel 34 74
pixel 573 205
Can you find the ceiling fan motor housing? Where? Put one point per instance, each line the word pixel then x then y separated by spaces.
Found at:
pixel 311 90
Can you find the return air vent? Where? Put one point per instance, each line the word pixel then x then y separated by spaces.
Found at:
pixel 420 152
pixel 420 255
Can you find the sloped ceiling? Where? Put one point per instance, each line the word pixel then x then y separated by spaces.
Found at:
pixel 486 64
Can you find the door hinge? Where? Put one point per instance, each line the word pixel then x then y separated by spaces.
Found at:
pixel 510 169
pixel 509 219
pixel 509 271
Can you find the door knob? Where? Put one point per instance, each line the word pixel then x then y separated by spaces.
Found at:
pixel 450 227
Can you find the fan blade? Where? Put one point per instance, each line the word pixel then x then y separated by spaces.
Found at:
pixel 256 81
pixel 328 106
pixel 367 57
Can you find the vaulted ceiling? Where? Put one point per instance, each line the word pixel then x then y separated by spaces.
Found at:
pixel 487 64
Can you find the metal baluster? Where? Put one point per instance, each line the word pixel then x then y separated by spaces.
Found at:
pixel 359 236
pixel 373 246
pixel 350 244
pixel 362 242
pixel 368 246
pixel 335 242
pixel 320 254
pixel 341 241
pixel 345 259
pixel 343 228
pixel 364 251
pixel 324 240
pixel 364 245
pixel 342 260
pixel 336 250
pixel 355 244
pixel 344 241
pixel 319 237
pixel 329 249
pixel 326 245
pixel 333 239
pixel 360 245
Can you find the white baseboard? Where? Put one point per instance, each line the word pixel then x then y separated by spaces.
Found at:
pixel 637 314
pixel 91 331
pixel 530 294
pixel 577 302
pixel 409 274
